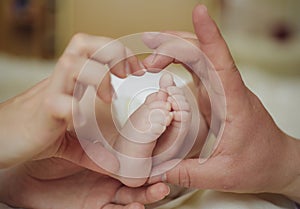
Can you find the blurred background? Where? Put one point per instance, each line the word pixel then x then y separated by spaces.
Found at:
pixel 263 35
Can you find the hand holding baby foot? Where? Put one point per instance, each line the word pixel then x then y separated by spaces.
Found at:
pixel 43 156
pixel 164 116
pixel 253 152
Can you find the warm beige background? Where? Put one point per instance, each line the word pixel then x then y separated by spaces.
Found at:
pixel 115 18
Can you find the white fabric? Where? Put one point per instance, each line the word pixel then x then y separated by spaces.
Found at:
pixel 219 200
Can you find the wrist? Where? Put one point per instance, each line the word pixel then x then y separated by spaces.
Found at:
pixel 292 188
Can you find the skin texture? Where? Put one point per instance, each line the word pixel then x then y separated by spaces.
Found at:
pixel 164 116
pixel 45 164
pixel 50 102
pixel 56 183
pixel 253 155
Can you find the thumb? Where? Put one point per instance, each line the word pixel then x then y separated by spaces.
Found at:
pixel 211 41
pixel 190 173
pixel 215 48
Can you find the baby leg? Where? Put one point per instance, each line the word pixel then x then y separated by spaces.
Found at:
pixel 138 137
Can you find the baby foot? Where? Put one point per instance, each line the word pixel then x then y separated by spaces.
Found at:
pixel 171 141
pixel 138 137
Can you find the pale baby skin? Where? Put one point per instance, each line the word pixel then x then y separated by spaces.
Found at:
pixel 164 116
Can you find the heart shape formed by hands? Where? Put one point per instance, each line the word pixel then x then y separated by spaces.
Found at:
pixel 169 116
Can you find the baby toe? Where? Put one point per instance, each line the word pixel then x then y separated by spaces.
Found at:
pixel 182 116
pixel 174 90
pixel 166 81
pixel 160 105
pixel 179 103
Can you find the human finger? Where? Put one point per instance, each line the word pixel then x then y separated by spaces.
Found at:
pixel 100 49
pixel 60 106
pixel 91 58
pixel 105 89
pixel 99 159
pixel 155 39
pixel 144 195
pixel 106 51
pixel 188 53
pixel 190 173
pixel 74 73
pixel 133 65
pixel 172 49
pixel 215 48
pixel 182 34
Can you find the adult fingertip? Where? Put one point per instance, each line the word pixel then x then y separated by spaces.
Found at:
pixel 205 27
pixel 198 11
pixel 149 39
pixel 164 189
pixel 159 191
pixel 200 8
pixel 150 35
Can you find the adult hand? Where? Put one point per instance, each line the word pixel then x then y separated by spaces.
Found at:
pixel 56 183
pixel 38 123
pixel 253 154
pixel 37 127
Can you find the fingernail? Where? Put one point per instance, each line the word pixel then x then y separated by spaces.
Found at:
pixel 168 191
pixel 203 8
pixel 165 190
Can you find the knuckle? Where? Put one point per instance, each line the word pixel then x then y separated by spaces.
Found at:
pixel 118 47
pixel 111 52
pixel 66 63
pixel 79 38
pixel 117 51
pixel 48 102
